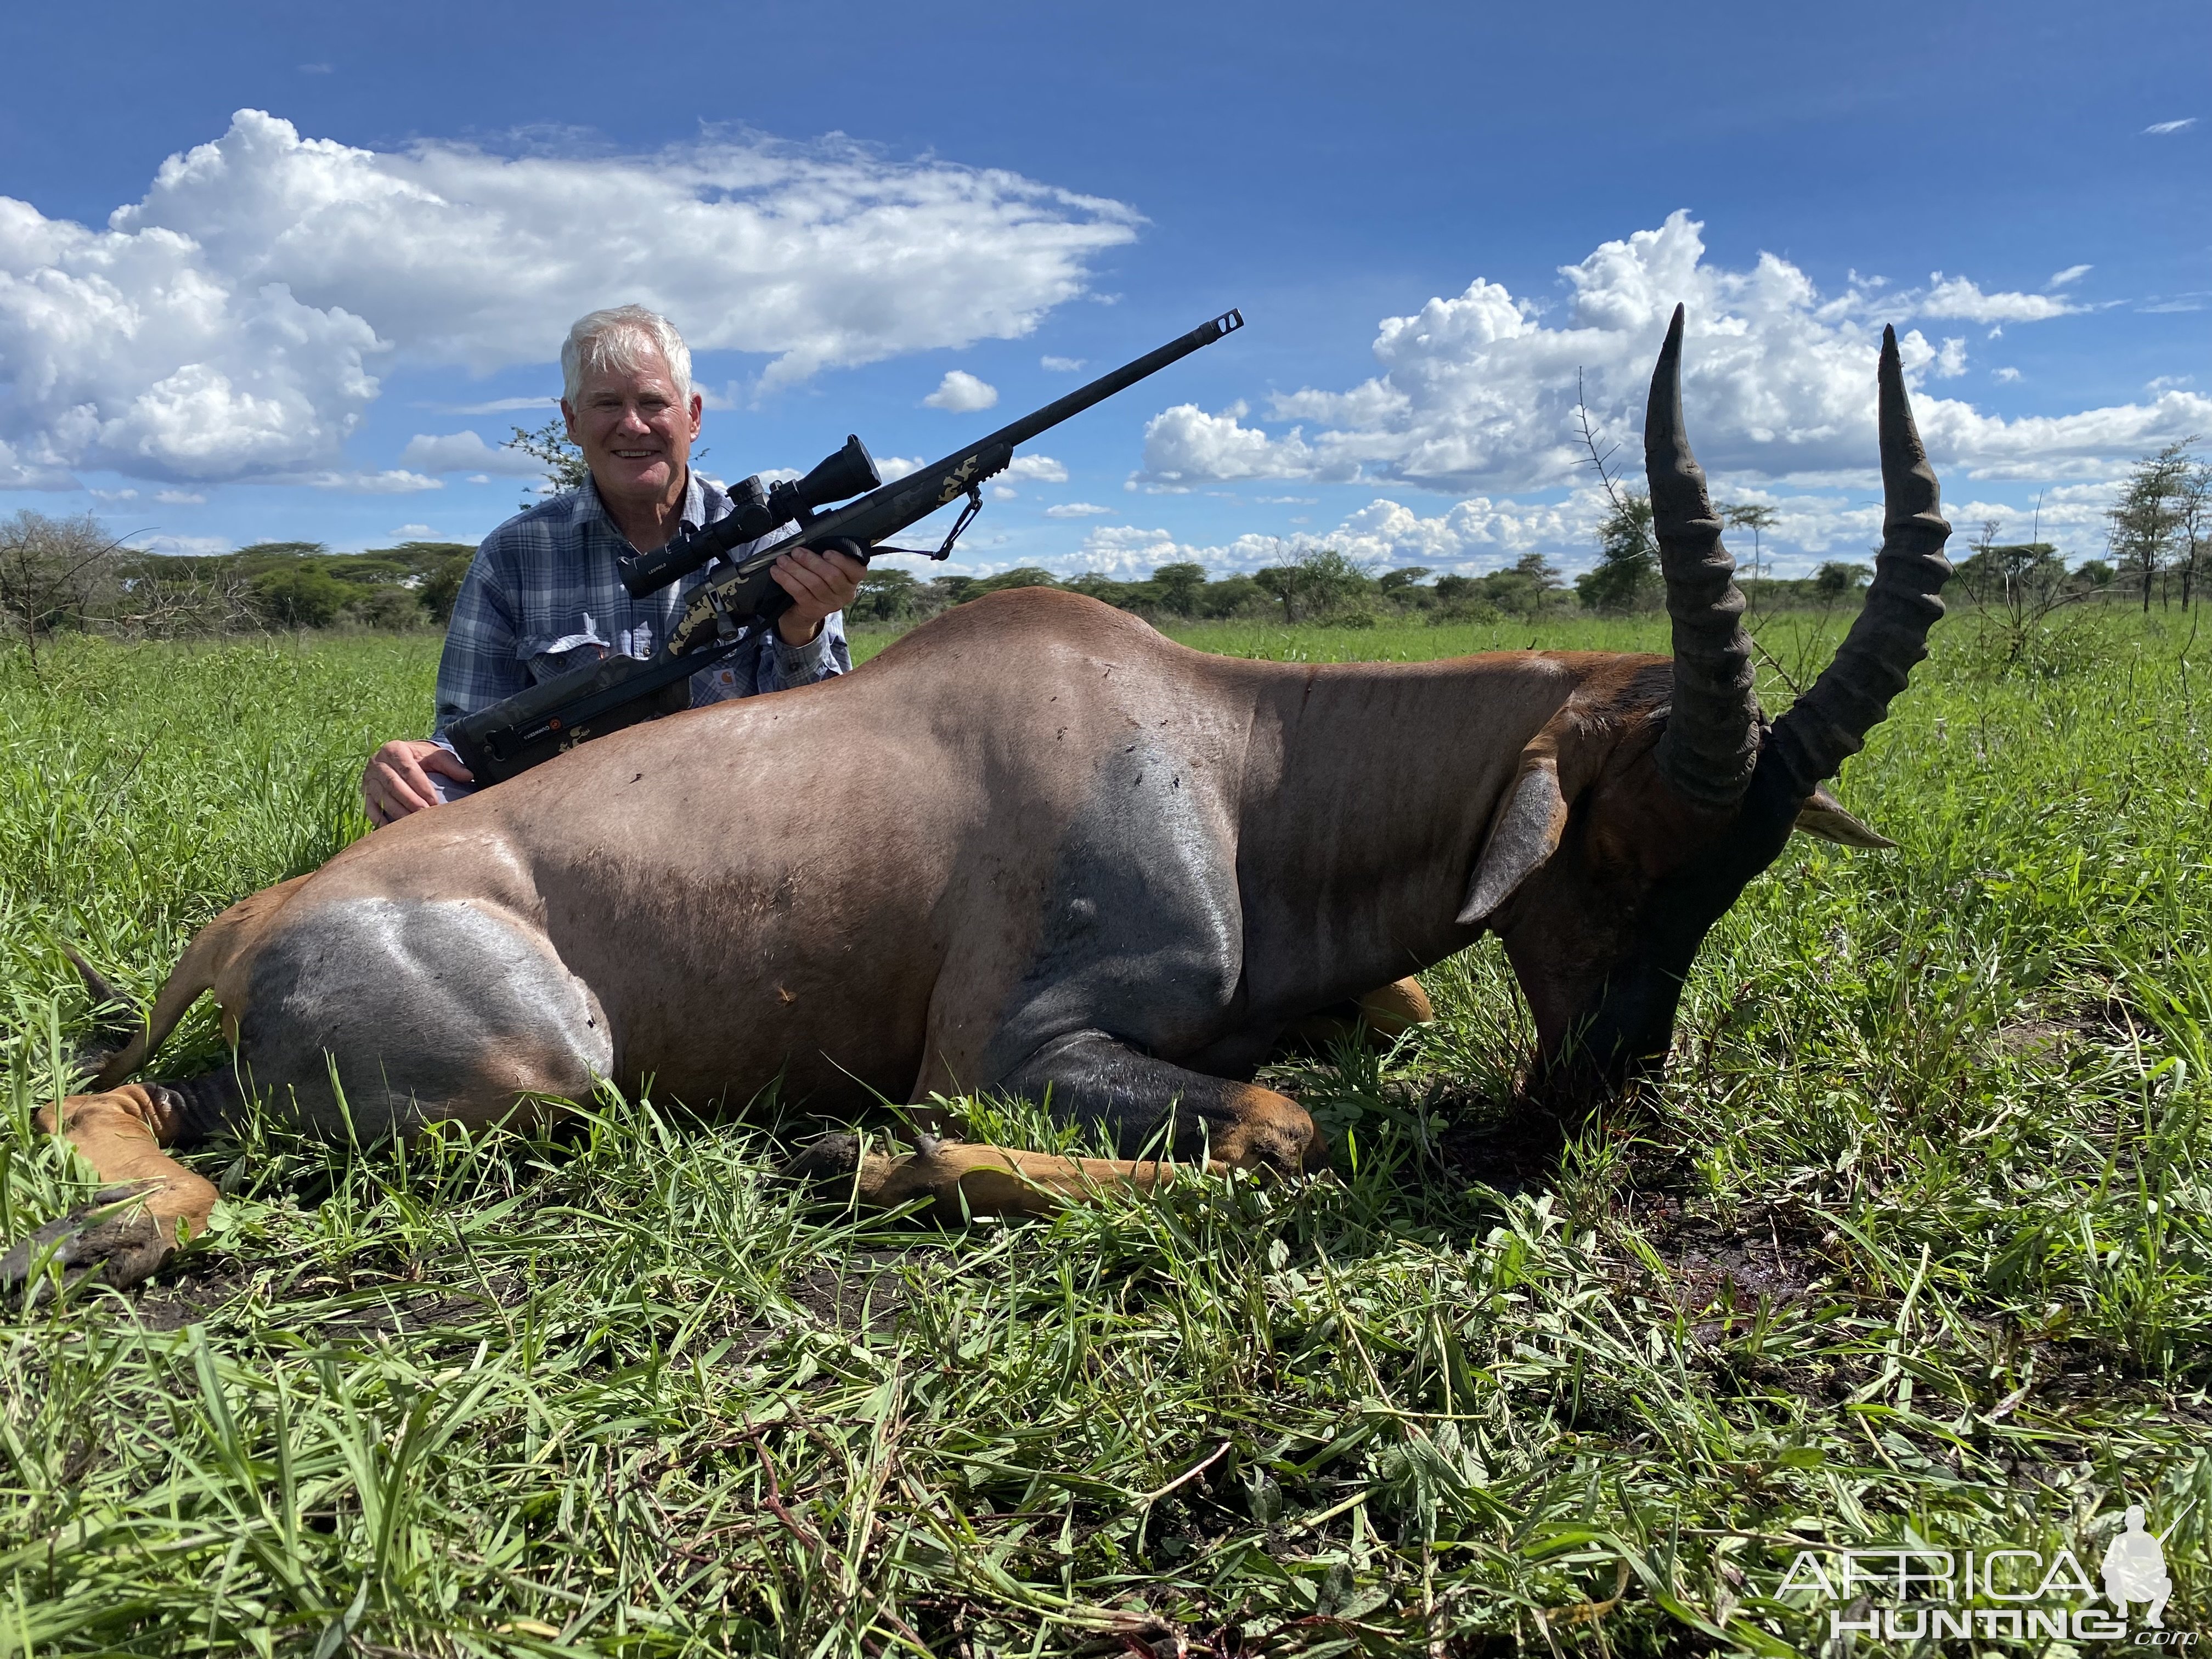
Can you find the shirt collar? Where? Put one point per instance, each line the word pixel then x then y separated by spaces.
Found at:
pixel 700 501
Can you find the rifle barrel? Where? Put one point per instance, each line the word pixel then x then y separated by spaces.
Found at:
pixel 905 501
pixel 1020 432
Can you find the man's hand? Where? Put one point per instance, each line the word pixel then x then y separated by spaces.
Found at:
pixel 818 583
pixel 397 780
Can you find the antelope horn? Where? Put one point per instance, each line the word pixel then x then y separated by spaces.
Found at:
pixel 1829 723
pixel 1710 746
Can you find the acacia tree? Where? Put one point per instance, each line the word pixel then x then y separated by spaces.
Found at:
pixel 1322 581
pixel 2141 526
pixel 1179 586
pixel 551 447
pixel 1754 517
pixel 55 573
pixel 1627 573
pixel 2193 523
pixel 1626 577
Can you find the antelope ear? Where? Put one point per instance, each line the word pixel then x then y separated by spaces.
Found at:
pixel 1823 816
pixel 1525 833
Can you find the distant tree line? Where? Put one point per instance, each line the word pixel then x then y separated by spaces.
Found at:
pixel 1324 587
pixel 59 574
pixel 1321 586
pixel 68 574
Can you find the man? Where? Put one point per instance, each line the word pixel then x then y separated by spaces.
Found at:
pixel 542 596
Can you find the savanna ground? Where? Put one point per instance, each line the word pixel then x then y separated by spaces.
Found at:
pixel 1916 1244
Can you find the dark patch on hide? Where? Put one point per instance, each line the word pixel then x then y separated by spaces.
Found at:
pixel 1141 935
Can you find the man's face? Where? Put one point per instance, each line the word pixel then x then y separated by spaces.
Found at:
pixel 634 431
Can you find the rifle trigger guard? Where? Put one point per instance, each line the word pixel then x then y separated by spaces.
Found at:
pixel 725 629
pixel 968 513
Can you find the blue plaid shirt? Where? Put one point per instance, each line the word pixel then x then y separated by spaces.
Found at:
pixel 542 598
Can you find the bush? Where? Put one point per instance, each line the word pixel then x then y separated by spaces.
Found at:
pixel 392 608
pixel 442 587
pixel 887 595
pixel 1626 577
pixel 1322 583
pixel 56 573
pixel 301 597
pixel 1180 588
pixel 1232 596
pixel 1837 580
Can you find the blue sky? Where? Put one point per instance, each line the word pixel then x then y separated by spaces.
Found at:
pixel 288 331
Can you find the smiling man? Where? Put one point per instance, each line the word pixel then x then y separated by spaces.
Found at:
pixel 543 597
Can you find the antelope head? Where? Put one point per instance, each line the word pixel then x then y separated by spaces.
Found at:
pixel 1640 814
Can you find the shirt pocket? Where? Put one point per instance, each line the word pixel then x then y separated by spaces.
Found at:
pixel 548 656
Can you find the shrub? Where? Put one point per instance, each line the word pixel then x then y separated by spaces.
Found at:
pixel 1626 576
pixel 887 595
pixel 442 587
pixel 300 597
pixel 392 607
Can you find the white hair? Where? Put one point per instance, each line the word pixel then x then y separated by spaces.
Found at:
pixel 620 337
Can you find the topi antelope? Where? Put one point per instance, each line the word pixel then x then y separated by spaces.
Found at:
pixel 1110 877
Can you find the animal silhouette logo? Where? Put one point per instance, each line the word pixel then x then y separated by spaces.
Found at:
pixel 2135 1571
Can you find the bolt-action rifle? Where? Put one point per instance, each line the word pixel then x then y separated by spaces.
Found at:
pixel 531 727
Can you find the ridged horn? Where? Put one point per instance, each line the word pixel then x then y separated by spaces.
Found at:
pixel 1710 746
pixel 1829 723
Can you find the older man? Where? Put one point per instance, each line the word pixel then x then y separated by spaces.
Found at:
pixel 542 596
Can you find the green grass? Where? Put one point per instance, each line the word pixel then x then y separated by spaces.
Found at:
pixel 1918 1245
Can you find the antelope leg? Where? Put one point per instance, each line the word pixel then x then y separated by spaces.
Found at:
pixel 973 1180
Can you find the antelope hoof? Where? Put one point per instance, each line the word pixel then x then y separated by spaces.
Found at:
pixel 110 1238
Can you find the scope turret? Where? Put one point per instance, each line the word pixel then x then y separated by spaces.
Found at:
pixel 755 511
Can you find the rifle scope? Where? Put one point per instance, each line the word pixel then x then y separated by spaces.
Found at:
pixel 755 510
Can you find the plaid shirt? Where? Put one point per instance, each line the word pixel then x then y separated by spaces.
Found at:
pixel 542 598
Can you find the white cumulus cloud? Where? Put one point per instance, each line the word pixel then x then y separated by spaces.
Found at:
pixel 1478 392
pixel 1075 510
pixel 501 405
pixel 962 392
pixel 1059 365
pixel 1038 469
pixel 224 327
pixel 466 451
pixel 1956 297
pixel 393 481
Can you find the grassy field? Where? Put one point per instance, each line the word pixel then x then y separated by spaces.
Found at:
pixel 1916 1248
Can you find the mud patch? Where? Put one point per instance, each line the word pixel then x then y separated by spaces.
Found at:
pixel 1721 1270
pixel 187 1298
pixel 2091 1022
pixel 864 1290
pixel 1514 1148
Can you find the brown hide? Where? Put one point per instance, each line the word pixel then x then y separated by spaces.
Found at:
pixel 1036 847
pixel 844 884
pixel 848 886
